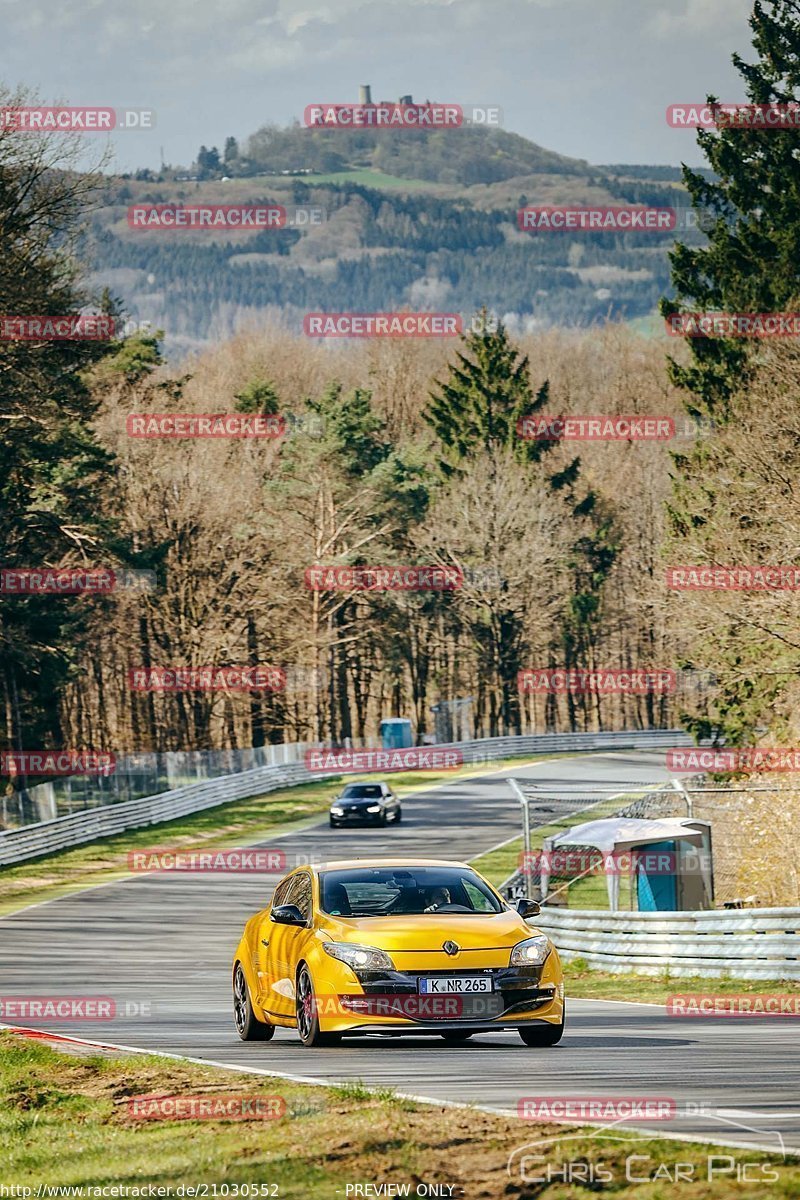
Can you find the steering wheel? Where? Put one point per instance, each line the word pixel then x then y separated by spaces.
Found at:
pixel 453 908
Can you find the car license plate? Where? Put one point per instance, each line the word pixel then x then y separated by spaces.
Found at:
pixel 456 985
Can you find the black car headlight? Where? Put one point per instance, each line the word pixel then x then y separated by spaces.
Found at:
pixel 360 958
pixel 530 953
pixel 336 811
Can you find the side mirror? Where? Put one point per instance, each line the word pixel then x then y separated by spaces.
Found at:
pixel 528 908
pixel 287 914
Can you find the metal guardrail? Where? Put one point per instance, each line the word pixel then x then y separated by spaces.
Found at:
pixel 61 833
pixel 138 775
pixel 755 943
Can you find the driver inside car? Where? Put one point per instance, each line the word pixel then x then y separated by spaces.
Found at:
pixel 437 897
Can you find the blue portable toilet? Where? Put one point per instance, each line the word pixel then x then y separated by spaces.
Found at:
pixel 656 889
pixel 671 858
pixel 396 733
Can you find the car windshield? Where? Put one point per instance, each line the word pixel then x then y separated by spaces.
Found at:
pixel 362 791
pixel 407 891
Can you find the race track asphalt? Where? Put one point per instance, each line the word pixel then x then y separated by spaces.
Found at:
pixel 161 946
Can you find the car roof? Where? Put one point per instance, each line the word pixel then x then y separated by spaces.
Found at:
pixel 346 864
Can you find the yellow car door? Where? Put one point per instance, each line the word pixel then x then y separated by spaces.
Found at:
pixel 285 944
pixel 267 950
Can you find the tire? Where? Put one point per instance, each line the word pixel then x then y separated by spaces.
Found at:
pixel 248 1026
pixel 333 824
pixel 308 1028
pixel 543 1035
pixel 398 816
pixel 384 817
pixel 456 1039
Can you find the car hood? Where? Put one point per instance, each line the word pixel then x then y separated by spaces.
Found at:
pixel 356 801
pixel 428 932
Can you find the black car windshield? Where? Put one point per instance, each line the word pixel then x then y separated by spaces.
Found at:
pixel 362 791
pixel 405 891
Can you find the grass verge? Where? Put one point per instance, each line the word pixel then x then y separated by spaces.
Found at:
pixel 584 983
pixel 67 1120
pixel 591 892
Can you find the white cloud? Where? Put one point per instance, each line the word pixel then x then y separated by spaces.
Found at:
pixel 590 79
pixel 687 17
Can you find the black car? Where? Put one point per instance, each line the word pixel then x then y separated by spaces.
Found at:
pixel 373 803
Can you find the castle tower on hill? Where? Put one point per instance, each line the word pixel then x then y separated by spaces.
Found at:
pixel 365 96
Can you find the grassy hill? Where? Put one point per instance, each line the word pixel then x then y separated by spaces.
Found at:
pixel 460 156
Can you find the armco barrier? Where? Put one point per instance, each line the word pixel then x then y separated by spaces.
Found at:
pixel 748 943
pixel 48 837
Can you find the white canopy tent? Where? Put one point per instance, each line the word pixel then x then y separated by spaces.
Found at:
pixel 616 835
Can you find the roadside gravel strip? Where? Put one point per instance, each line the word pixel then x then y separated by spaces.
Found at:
pixel 161 945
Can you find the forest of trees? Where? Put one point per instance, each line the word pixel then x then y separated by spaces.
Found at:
pixel 383 249
pixel 389 251
pixel 407 453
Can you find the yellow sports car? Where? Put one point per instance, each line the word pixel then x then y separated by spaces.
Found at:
pixel 395 946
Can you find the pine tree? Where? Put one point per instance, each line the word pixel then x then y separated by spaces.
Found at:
pixel 55 478
pixel 751 264
pixel 478 410
pixel 752 260
pixel 479 406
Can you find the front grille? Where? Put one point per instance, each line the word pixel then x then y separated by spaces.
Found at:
pixel 516 989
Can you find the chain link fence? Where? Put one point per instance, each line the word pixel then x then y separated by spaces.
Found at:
pixel 755 838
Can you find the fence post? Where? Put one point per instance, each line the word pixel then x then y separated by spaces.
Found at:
pixel 676 783
pixel 527 873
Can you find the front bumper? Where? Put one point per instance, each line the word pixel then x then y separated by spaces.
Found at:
pixel 359 817
pixel 390 1001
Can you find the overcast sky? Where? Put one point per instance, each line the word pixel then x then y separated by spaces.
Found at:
pixel 588 78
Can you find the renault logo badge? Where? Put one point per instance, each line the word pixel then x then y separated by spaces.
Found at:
pixel 451 948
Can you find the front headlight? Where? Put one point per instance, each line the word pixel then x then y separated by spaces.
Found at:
pixel 362 958
pixel 530 953
pixel 337 812
pixel 374 808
